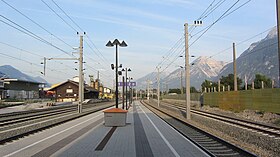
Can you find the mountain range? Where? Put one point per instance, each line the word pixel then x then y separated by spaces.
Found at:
pixel 261 57
pixel 7 71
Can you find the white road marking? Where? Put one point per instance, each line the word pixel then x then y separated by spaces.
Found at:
pixel 50 136
pixel 164 139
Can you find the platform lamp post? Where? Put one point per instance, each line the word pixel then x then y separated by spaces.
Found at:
pixel 126 70
pixel 112 44
pixel 130 89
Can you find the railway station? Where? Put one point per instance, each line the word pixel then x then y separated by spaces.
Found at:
pixel 141 78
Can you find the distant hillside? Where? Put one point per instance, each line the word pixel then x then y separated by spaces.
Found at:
pixel 142 82
pixel 8 71
pixel 261 57
pixel 203 68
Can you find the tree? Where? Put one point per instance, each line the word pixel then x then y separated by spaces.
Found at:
pixel 176 90
pixel 193 90
pixel 206 84
pixel 258 81
pixel 209 84
pixel 229 80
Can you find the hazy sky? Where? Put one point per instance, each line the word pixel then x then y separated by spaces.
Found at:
pixel 150 28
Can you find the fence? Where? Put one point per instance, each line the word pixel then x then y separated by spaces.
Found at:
pixel 194 96
pixel 267 100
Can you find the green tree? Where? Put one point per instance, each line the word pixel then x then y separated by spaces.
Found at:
pixel 175 90
pixel 206 84
pixel 193 90
pixel 229 80
pixel 209 84
pixel 258 81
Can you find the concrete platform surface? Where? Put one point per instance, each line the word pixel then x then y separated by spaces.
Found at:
pixel 144 135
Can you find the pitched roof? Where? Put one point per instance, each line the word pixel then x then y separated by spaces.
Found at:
pixel 86 87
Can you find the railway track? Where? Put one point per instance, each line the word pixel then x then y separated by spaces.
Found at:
pixel 20 124
pixel 266 130
pixel 211 144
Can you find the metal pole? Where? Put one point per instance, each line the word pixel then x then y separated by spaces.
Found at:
pixel 234 68
pixel 117 67
pixel 246 84
pixel 182 91
pixel 158 93
pixel 126 88
pixel 81 82
pixel 219 86
pixel 136 94
pixel 98 88
pixel 148 94
pixel 129 93
pixel 123 93
pixel 187 67
pixel 278 32
pixel 45 65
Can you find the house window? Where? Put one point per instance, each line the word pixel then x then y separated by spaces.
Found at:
pixel 69 90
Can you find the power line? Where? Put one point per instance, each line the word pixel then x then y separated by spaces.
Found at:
pixel 21 49
pixel 29 52
pixel 205 14
pixel 102 56
pixel 29 33
pixel 214 23
pixel 38 65
pixel 35 23
pixel 239 43
pixel 226 13
pixel 59 16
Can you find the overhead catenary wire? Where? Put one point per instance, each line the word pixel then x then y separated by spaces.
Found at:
pixel 239 43
pixel 77 25
pixel 8 4
pixel 225 14
pixel 26 61
pixel 30 33
pixel 68 24
pixel 205 14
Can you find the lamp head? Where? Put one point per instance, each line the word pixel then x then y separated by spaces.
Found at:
pixel 120 72
pixel 123 44
pixel 109 44
pixel 116 42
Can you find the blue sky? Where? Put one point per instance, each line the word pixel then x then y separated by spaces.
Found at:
pixel 149 27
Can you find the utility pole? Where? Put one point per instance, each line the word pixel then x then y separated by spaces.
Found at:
pixel 81 74
pixel 148 94
pixel 123 93
pixel 167 88
pixel 182 90
pixel 234 67
pixel 246 84
pixel 81 79
pixel 187 68
pixel 219 86
pixel 278 34
pixel 158 93
pixel 45 65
